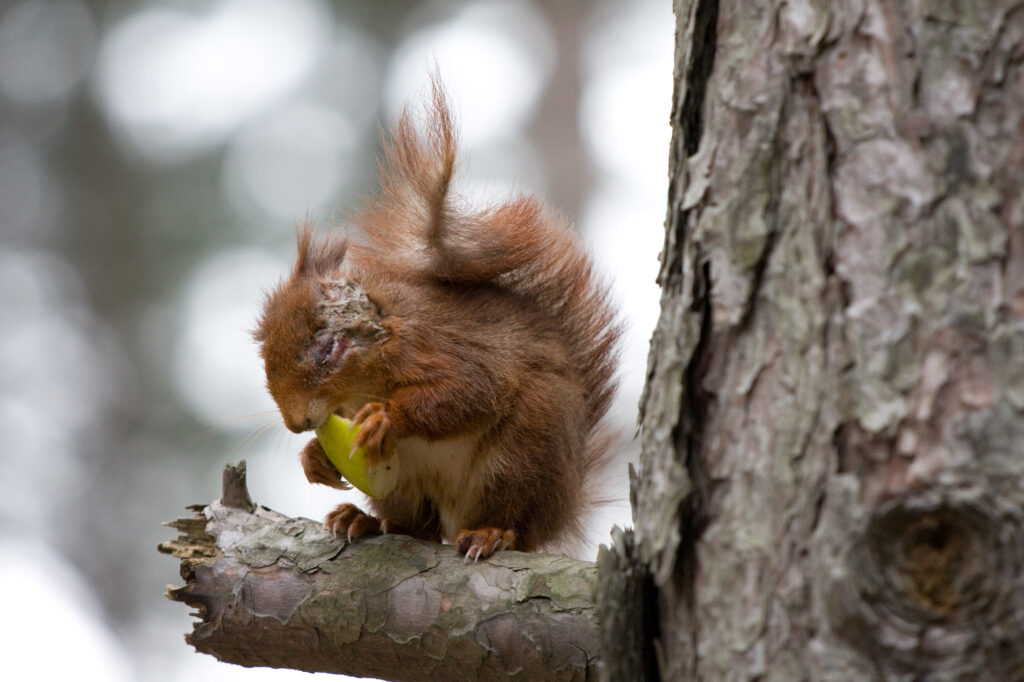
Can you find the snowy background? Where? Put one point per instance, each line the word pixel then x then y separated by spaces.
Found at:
pixel 153 160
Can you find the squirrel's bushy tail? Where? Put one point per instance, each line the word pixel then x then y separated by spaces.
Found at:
pixel 416 229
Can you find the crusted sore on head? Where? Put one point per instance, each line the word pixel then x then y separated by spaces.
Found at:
pixel 344 307
pixel 307 326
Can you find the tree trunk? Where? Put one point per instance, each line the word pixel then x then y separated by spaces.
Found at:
pixel 833 442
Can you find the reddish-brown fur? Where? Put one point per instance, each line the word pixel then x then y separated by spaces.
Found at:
pixel 486 325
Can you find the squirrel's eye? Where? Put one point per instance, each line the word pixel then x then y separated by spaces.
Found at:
pixel 330 350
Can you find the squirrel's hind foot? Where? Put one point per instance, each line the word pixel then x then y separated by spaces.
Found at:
pixel 483 542
pixel 350 520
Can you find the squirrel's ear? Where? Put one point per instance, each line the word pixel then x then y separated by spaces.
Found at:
pixel 317 257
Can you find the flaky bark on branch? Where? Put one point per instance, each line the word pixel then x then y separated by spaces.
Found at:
pixel 282 592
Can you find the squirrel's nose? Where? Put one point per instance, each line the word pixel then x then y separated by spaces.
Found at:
pixel 304 415
pixel 298 424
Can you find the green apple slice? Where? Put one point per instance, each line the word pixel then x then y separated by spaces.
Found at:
pixel 337 437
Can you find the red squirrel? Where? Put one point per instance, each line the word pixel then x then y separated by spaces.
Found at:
pixel 475 344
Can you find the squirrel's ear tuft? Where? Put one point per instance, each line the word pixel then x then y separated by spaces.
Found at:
pixel 303 238
pixel 317 257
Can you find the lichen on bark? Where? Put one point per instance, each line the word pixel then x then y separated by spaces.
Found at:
pixel 283 592
pixel 835 382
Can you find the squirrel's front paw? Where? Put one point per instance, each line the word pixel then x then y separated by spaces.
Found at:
pixel 376 434
pixel 352 521
pixel 318 468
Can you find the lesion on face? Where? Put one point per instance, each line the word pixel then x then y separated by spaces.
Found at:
pixel 314 339
pixel 325 349
pixel 345 306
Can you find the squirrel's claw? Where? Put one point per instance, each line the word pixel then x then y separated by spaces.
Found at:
pixel 318 467
pixel 483 542
pixel 376 435
pixel 351 520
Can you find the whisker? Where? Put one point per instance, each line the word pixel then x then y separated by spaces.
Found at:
pixel 205 434
pixel 254 435
pixel 213 427
pixel 279 443
pixel 226 422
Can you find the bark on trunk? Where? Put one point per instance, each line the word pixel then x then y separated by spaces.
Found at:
pixel 281 592
pixel 833 441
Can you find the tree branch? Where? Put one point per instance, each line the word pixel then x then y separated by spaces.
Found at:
pixel 282 592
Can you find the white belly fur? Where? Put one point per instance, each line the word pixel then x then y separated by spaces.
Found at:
pixel 443 470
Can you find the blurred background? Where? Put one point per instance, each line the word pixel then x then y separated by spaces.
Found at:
pixel 154 157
